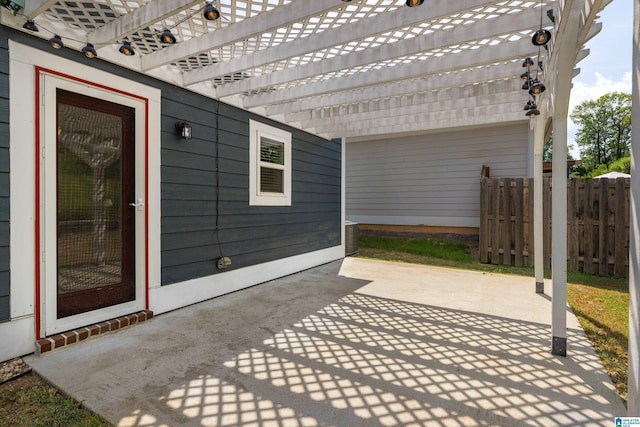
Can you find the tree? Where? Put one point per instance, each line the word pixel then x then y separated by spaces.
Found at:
pixel 547 153
pixel 604 129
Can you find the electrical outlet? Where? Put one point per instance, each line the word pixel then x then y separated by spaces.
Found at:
pixel 224 262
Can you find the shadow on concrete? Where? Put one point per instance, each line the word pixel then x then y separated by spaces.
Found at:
pixel 315 349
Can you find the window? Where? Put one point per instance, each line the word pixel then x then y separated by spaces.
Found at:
pixel 269 165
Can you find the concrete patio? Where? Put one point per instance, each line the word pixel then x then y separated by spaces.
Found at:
pixel 351 343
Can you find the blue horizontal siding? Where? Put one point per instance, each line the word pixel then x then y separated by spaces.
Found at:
pixel 248 234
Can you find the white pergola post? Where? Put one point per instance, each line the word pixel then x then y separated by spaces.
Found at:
pixel 559 235
pixel 568 44
pixel 538 148
pixel 633 398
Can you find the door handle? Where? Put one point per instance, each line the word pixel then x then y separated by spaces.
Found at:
pixel 138 204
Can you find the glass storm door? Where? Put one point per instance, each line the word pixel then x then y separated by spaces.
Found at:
pixel 95 187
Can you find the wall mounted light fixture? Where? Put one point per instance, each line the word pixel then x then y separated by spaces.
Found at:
pixel 414 3
pixel 184 130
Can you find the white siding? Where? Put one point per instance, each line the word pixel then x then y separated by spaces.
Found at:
pixel 431 179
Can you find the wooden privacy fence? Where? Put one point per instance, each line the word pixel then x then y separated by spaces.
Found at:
pixel 597 223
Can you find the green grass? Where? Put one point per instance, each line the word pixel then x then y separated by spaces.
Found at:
pixel 603 311
pixel 433 248
pixel 601 304
pixel 31 402
pixel 429 252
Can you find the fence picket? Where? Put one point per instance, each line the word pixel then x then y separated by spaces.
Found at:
pixel 603 227
pixel 495 221
pixel 519 223
pixel 573 242
pixel 587 263
pixel 484 221
pixel 506 223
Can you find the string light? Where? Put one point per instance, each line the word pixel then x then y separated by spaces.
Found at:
pixel 209 12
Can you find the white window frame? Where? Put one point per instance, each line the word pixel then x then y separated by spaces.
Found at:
pixel 257 131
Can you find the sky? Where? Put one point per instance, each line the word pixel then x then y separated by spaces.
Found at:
pixel 608 66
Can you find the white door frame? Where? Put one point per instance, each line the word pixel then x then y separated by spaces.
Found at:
pixel 47 84
pixel 28 299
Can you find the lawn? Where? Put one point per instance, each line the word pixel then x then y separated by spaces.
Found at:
pixel 601 304
pixel 29 401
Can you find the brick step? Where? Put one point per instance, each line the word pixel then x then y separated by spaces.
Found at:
pixel 58 341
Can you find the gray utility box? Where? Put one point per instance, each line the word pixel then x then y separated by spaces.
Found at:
pixel 351 238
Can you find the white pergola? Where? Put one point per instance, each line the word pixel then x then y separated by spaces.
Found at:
pixel 363 69
pixel 333 68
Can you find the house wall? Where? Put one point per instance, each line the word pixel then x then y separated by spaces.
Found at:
pixel 262 242
pixel 4 182
pixel 431 179
pixel 249 235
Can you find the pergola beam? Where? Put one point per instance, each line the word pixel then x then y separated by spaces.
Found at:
pixel 33 8
pixel 400 18
pixel 448 122
pixel 140 18
pixel 489 55
pixel 415 46
pixel 245 29
pixel 426 120
pixel 450 99
pixel 431 83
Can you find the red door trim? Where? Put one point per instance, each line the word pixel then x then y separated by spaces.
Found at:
pixel 39 71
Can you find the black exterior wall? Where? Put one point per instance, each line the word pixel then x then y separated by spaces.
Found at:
pixel 192 202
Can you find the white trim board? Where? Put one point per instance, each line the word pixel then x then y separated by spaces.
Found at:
pixel 416 220
pixel 177 295
pixel 21 336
